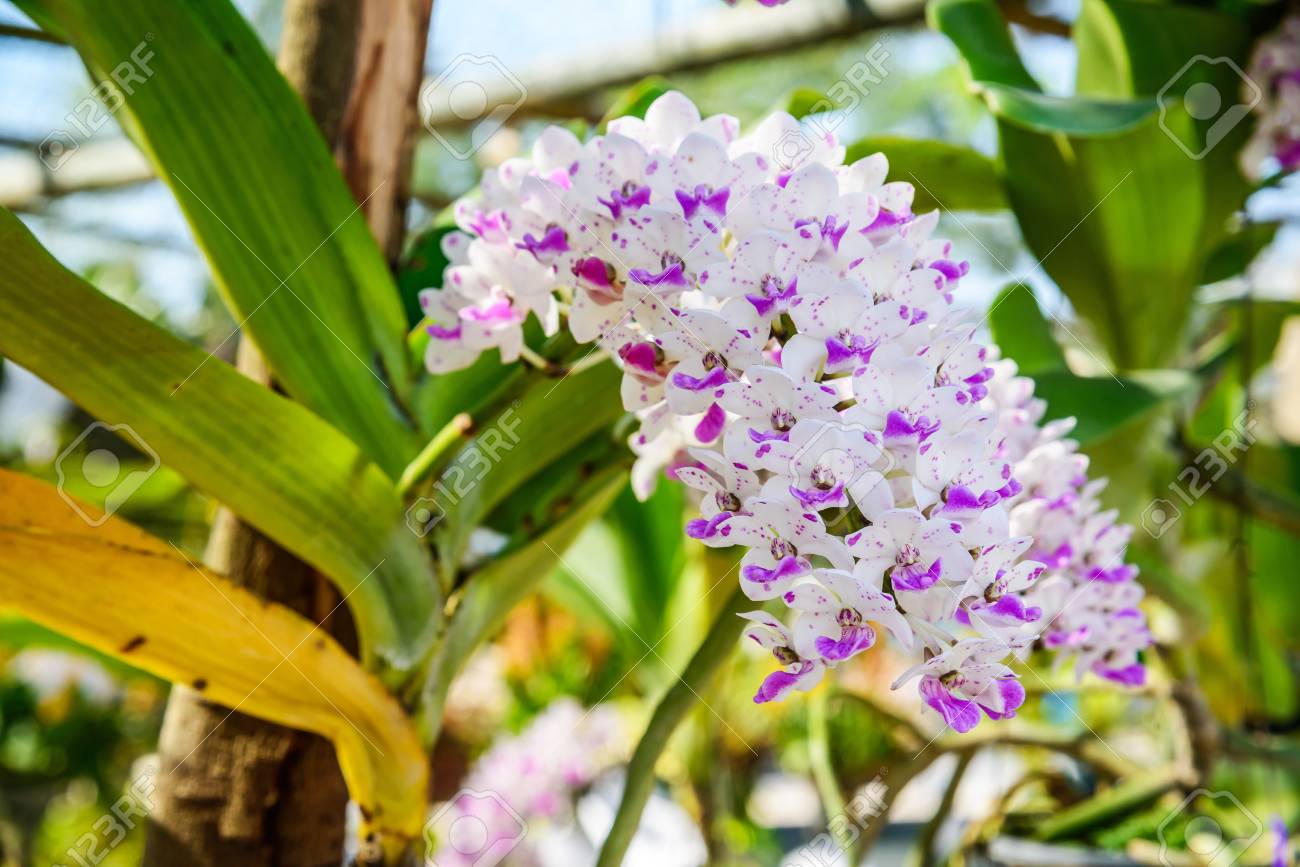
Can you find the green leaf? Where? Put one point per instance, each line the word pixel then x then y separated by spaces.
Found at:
pixel 1110 217
pixel 639 547
pixel 804 101
pixel 1023 333
pixel 501 584
pixel 1102 405
pixel 1068 115
pixel 980 34
pixel 1109 806
pixel 289 249
pixel 1237 251
pixel 521 441
pixel 948 176
pixel 1105 192
pixel 1131 48
pixel 277 465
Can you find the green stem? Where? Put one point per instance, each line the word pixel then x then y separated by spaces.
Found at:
pixel 455 431
pixel 819 756
pixel 674 706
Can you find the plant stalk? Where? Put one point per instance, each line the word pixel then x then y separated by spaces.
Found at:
pixel 671 710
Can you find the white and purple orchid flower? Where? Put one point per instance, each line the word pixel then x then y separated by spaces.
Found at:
pixel 785 328
pixel 1272 88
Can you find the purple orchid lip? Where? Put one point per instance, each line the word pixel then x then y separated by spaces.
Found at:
pixel 779 301
pixel 698 528
pixel 950 269
pixel 1075 638
pixel 495 313
pixel 641 356
pixel 594 271
pixel 703 196
pixel 673 275
pixel 764 436
pixel 633 198
pixel 853 639
pixel 815 499
pixel 1128 675
pixel 779 682
pixel 710 427
pixel 916 577
pixel 553 240
pixel 960 501
pixel 887 219
pixel 960 714
pixel 1011 607
pixel 838 352
pixel 1013 696
pixel 789 567
pixel 713 379
pixel 898 427
pixel 1117 575
pixel 441 333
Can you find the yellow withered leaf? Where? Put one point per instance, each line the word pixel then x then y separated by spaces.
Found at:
pixel 128 594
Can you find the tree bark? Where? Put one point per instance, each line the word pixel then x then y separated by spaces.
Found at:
pixel 234 789
pixel 376 142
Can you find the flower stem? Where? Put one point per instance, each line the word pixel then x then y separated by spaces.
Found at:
pixel 819 756
pixel 716 648
pixel 453 432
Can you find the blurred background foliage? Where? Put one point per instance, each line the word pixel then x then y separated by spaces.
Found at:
pixel 1170 311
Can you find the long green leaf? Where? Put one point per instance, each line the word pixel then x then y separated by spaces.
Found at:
pixel 1131 49
pixel 503 583
pixel 289 249
pixel 277 465
pixel 1023 333
pixel 982 37
pixel 1104 191
pixel 521 441
pixel 1104 404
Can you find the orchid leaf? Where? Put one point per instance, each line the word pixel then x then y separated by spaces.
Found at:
pixel 1108 192
pixel 288 247
pixel 1109 806
pixel 1131 48
pixel 1023 333
pixel 274 463
pixel 1104 404
pixel 980 34
pixel 1237 250
pixel 519 442
pixel 501 584
pixel 124 593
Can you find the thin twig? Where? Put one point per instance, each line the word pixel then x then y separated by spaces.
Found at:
pixel 17 31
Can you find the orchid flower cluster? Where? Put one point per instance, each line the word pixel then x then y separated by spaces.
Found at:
pixel 1275 68
pixel 530 780
pixel 783 322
